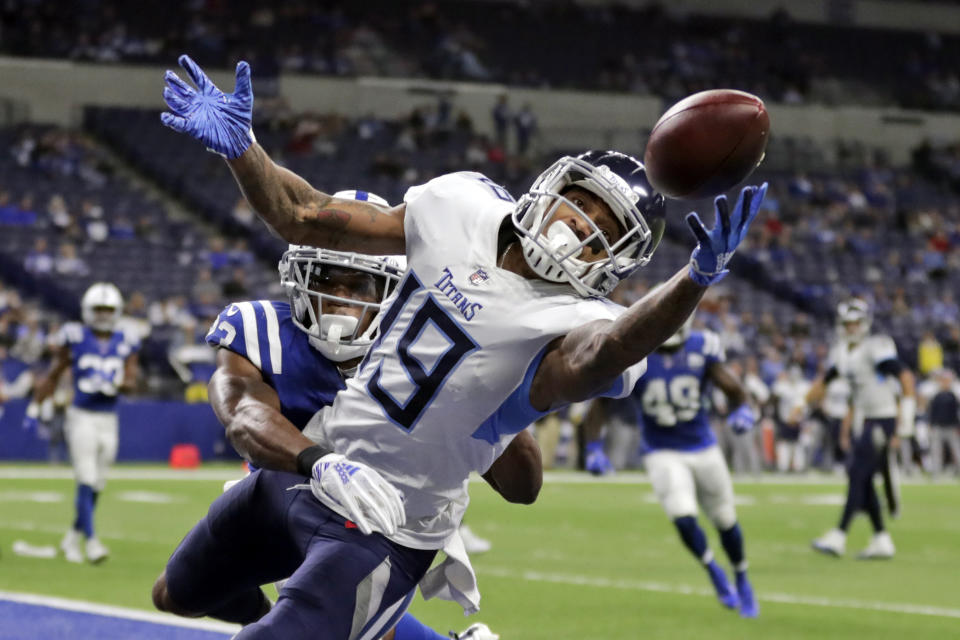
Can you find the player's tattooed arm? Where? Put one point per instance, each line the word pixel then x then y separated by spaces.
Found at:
pixel 517 474
pixel 46 385
pixel 589 359
pixel 249 410
pixel 721 376
pixel 300 214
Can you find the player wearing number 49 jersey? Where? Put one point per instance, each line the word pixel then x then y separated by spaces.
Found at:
pixel 685 465
pixel 103 361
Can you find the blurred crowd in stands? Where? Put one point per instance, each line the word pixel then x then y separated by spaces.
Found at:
pixel 641 49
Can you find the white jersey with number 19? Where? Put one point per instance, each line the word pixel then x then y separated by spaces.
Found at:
pixel 447 385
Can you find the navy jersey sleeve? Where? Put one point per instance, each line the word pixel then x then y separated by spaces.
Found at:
pixel 250 329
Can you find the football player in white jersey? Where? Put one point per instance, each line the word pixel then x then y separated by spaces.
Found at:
pixel 499 320
pixel 877 378
pixel 278 363
pixel 103 360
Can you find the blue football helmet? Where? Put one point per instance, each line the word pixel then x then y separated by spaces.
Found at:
pixel 551 248
pixel 339 337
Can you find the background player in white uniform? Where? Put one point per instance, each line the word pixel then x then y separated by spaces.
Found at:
pixel 495 324
pixel 103 361
pixel 876 377
pixel 681 454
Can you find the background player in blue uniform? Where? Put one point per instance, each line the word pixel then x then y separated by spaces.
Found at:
pixel 279 362
pixel 103 362
pixel 681 454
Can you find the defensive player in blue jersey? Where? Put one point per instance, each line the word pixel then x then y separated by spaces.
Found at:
pixel 499 320
pixel 685 465
pixel 286 360
pixel 103 361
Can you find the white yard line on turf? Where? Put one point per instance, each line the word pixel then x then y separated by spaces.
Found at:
pixel 783 598
pixel 117 612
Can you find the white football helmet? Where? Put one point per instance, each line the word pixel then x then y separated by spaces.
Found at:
pixel 338 337
pixel 101 306
pixel 853 320
pixel 552 249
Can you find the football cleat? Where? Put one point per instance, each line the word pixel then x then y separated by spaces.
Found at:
pixel 725 593
pixel 70 545
pixel 880 547
pixel 477 631
pixel 748 602
pixel 96 552
pixel 832 543
pixel 472 542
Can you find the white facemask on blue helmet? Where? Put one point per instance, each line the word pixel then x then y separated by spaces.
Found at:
pixel 553 250
pixel 101 306
pixel 339 337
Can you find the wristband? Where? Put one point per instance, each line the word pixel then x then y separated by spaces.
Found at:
pixel 307 458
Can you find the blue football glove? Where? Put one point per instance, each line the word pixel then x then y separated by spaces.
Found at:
pixel 219 120
pixel 596 461
pixel 708 264
pixel 742 419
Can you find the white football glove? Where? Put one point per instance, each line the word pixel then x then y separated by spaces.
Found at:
pixel 372 503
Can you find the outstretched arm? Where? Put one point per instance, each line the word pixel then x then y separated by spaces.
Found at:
pixel 588 360
pixel 300 214
pixel 297 212
pixel 249 410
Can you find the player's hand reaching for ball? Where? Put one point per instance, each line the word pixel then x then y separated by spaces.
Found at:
pixel 219 120
pixel 708 264
pixel 372 503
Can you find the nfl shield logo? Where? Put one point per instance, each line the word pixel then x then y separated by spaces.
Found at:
pixel 478 277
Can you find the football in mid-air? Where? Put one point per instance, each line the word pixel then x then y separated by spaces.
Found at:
pixel 707 143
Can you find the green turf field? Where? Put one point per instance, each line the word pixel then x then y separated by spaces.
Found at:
pixel 592 559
